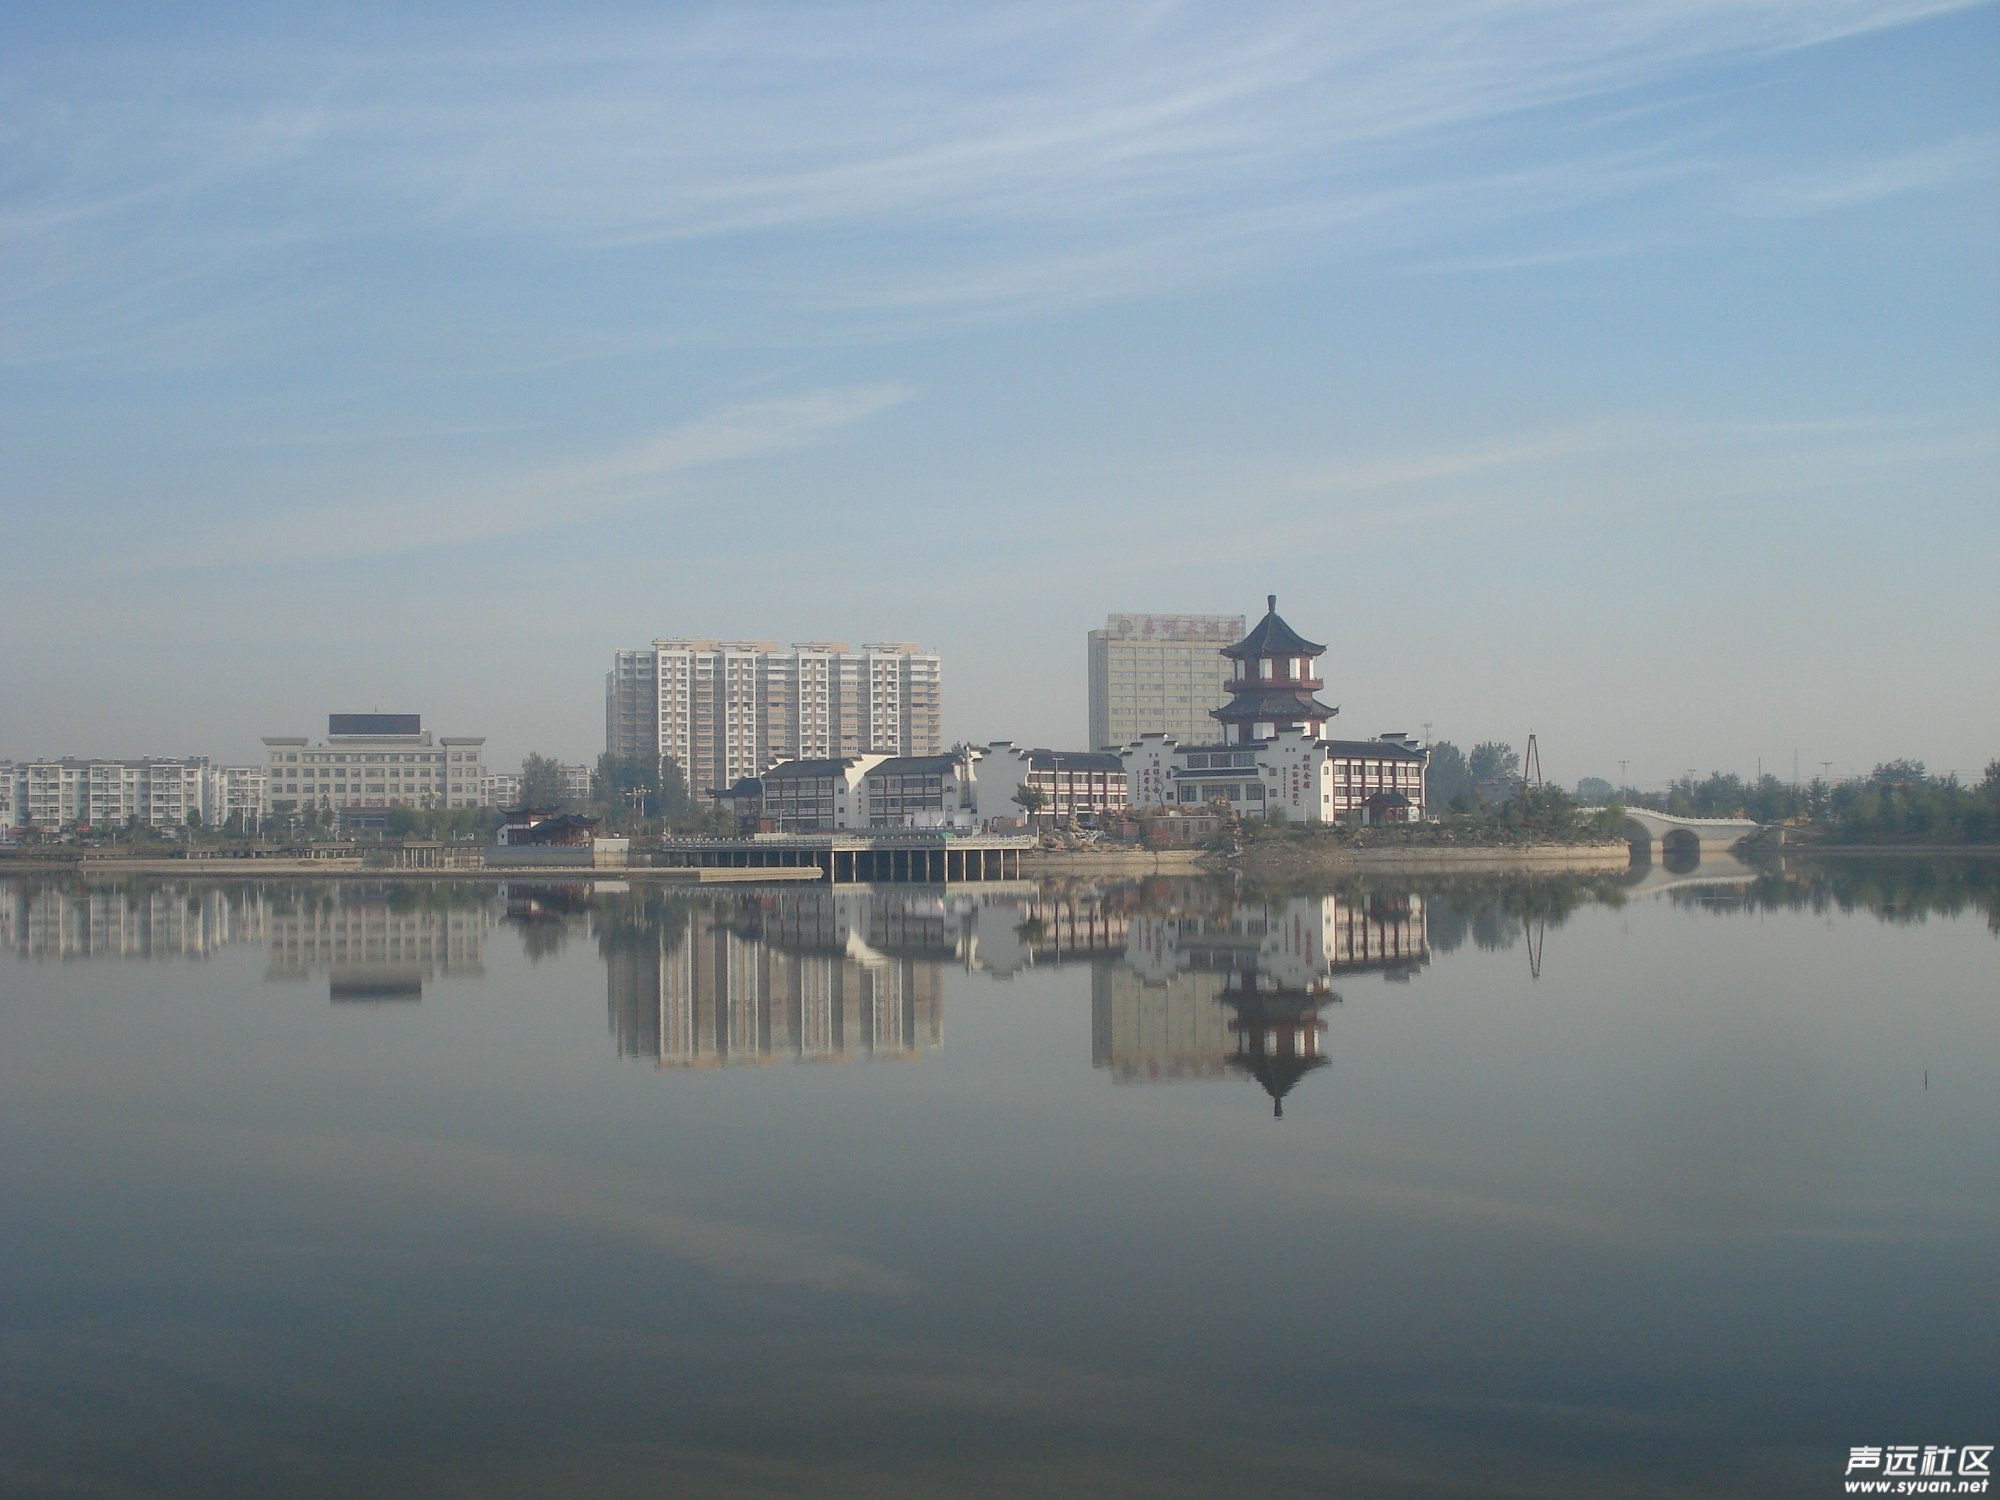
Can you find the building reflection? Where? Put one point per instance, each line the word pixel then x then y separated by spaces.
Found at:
pixel 166 920
pixel 818 976
pixel 1215 988
pixel 375 943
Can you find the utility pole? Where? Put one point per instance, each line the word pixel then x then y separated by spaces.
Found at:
pixel 1621 773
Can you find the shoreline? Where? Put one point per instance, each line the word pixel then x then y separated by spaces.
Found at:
pixel 1262 863
pixel 1887 851
pixel 1463 859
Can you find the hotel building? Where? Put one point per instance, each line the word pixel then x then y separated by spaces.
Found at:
pixel 1158 674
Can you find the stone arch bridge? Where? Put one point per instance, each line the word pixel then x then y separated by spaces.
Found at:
pixel 1661 831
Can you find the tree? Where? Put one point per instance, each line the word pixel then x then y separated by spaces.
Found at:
pixel 676 802
pixel 1492 766
pixel 1595 789
pixel 1900 773
pixel 541 781
pixel 1448 781
pixel 1030 799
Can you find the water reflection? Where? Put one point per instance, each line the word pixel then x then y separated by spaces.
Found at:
pixel 375 943
pixel 793 977
pixel 43 920
pixel 1643 1223
pixel 1213 984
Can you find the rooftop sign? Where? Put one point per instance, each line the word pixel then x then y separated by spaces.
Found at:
pixel 374 723
pixel 1174 627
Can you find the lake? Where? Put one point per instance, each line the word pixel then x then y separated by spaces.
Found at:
pixel 1677 1183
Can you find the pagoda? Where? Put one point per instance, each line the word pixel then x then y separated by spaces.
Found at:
pixel 1271 684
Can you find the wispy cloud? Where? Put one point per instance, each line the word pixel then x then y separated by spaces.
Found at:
pixel 853 156
pixel 1852 184
pixel 555 496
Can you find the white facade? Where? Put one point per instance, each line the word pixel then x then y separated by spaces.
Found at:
pixel 725 710
pixel 1295 773
pixel 366 772
pixel 576 784
pixel 1073 783
pixel 158 791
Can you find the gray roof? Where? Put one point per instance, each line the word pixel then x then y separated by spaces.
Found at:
pixel 915 765
pixel 1272 637
pixel 1074 760
pixel 793 770
pixel 1380 749
pixel 1273 703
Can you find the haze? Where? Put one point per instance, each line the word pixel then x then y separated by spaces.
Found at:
pixel 1621 373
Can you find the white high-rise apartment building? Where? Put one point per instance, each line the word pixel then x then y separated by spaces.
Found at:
pixel 1159 674
pixel 725 710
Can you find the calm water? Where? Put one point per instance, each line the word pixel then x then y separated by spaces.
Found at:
pixel 1579 1188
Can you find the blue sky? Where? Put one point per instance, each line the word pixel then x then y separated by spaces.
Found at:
pixel 1621 372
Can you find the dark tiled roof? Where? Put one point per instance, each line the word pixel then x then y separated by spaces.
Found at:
pixel 1074 760
pixel 915 765
pixel 1388 799
pixel 793 770
pixel 1379 749
pixel 1272 637
pixel 1275 704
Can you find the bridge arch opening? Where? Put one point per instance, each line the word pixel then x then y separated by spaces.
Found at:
pixel 1680 850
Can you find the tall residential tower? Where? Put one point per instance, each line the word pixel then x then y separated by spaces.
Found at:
pixel 729 709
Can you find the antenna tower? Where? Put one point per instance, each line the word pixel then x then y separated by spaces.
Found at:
pixel 1531 764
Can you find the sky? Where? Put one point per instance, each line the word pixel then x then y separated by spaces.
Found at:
pixel 1620 373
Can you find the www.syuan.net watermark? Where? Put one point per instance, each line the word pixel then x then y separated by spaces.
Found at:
pixel 1920 1469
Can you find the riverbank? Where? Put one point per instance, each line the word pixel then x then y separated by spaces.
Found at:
pixel 1118 861
pixel 1888 851
pixel 1291 859
pixel 342 869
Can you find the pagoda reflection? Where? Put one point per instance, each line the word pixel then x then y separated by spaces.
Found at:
pixel 1220 987
pixel 1276 1030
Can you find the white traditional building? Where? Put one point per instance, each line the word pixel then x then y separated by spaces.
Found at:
pixel 1273 756
pixel 1073 783
pixel 964 790
pixel 841 793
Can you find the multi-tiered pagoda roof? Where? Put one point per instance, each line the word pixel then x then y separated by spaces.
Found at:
pixel 1274 681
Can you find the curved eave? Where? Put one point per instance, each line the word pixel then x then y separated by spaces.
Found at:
pixel 1272 637
pixel 1275 706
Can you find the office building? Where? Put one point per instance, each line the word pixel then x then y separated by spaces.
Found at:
pixel 1158 674
pixel 369 763
pixel 726 710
